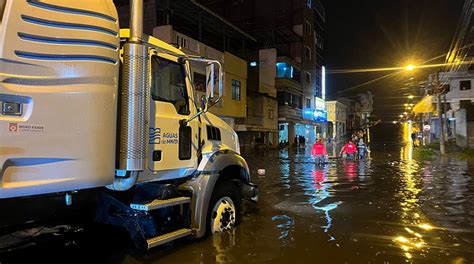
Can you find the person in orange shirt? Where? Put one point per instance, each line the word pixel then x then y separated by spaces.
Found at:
pixel 350 149
pixel 319 152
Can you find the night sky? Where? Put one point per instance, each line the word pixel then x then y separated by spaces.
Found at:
pixel 386 33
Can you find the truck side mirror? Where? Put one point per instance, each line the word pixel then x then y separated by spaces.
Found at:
pixel 211 98
pixel 213 93
pixel 210 81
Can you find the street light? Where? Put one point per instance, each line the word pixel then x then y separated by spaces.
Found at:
pixel 410 67
pixel 411 97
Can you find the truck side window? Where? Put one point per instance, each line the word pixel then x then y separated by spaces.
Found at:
pixel 169 84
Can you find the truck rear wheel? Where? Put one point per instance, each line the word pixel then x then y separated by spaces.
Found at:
pixel 224 207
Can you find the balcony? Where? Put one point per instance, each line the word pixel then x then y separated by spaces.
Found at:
pixel 287 113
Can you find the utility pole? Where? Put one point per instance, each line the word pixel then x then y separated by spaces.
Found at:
pixel 442 141
pixel 445 119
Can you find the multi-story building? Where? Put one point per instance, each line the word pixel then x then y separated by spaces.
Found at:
pixel 367 107
pixel 354 114
pixel 233 104
pixel 460 99
pixel 295 29
pixel 260 127
pixel 337 118
pixel 249 103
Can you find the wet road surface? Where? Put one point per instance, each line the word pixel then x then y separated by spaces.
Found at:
pixel 388 209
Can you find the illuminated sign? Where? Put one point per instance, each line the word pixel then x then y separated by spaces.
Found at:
pixel 320 103
pixel 323 82
pixel 320 115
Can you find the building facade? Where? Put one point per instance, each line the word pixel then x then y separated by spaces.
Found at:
pixel 260 127
pixel 249 101
pixel 337 120
pixel 233 104
pixel 460 98
pixel 295 29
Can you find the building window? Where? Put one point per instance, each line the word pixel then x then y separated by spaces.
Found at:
pixel 284 70
pixel 307 52
pixel 182 42
pixel 308 103
pixel 199 82
pixel 308 77
pixel 236 90
pixel 270 113
pixel 465 85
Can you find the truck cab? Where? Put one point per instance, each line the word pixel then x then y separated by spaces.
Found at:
pixel 86 106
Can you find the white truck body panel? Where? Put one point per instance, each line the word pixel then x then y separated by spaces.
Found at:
pixel 59 60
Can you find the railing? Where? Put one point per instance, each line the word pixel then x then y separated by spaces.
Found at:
pixel 289 112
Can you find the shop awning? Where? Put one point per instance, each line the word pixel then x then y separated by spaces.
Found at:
pixel 424 106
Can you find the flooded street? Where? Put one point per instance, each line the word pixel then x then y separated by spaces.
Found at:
pixel 389 209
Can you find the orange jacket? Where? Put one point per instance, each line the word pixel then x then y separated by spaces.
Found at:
pixel 349 148
pixel 318 149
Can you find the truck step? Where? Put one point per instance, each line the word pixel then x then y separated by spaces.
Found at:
pixel 163 239
pixel 157 204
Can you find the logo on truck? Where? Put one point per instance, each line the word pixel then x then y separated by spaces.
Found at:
pixel 154 135
pixel 25 128
pixel 13 127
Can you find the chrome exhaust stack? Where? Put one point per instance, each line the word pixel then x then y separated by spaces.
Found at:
pixel 134 95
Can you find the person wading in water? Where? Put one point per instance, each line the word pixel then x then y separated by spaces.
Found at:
pixel 319 152
pixel 350 149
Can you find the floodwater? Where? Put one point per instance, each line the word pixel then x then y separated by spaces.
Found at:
pixel 387 209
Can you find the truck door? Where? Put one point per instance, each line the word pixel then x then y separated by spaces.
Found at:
pixel 172 146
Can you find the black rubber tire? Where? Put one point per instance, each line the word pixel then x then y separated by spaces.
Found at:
pixel 226 188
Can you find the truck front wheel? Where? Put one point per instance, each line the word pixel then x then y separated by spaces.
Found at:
pixel 224 207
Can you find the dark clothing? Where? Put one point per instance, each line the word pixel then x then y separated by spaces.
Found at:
pixel 362 149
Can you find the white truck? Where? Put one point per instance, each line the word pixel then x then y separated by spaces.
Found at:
pixel 88 107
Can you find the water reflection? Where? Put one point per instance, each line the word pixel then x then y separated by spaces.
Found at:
pixel 223 244
pixel 388 209
pixel 285 224
pixel 411 215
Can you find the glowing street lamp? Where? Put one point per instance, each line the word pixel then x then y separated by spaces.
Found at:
pixel 410 67
pixel 410 97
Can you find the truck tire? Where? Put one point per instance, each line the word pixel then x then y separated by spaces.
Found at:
pixel 224 207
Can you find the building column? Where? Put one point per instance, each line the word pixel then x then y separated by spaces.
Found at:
pixel 291 134
pixel 274 136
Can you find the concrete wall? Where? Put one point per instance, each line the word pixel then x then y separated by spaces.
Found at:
pixel 268 59
pixel 461 128
pixel 470 134
pixel 455 94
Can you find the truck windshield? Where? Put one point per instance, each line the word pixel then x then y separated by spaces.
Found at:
pixel 169 85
